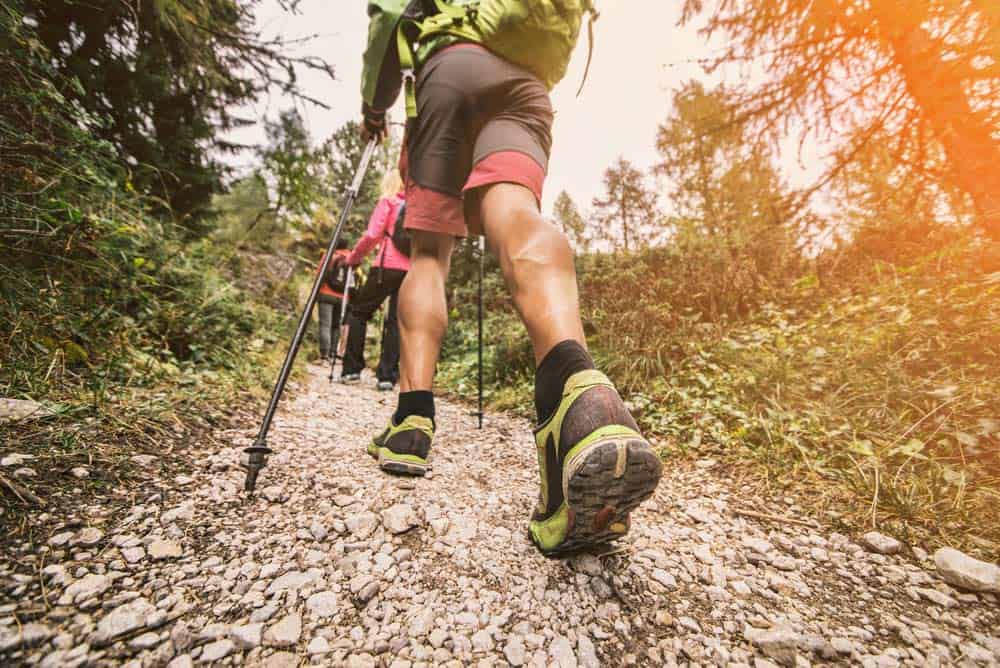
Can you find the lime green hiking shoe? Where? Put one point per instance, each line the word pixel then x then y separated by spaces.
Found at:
pixel 403 448
pixel 595 468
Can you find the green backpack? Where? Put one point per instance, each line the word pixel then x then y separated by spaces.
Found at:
pixel 538 35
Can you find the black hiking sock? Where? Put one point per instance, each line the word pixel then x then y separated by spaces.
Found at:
pixel 418 402
pixel 565 359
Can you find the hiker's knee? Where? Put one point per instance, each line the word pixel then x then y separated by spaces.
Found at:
pixel 429 247
pixel 536 242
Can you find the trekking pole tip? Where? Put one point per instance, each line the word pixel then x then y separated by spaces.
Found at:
pixel 256 460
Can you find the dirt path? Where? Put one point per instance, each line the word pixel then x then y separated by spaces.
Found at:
pixel 336 563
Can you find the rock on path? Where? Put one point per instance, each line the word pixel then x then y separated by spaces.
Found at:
pixel 335 563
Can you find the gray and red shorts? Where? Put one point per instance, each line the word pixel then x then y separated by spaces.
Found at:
pixel 480 120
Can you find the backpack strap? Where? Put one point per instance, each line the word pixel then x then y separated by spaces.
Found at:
pixel 458 20
pixel 406 67
pixel 594 15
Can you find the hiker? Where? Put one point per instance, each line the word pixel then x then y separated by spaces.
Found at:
pixel 331 292
pixel 384 279
pixel 476 152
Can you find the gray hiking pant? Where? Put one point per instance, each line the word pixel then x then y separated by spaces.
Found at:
pixel 329 314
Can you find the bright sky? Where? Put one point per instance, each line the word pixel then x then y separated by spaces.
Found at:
pixel 640 57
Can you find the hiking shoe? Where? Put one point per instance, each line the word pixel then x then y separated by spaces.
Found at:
pixel 385 385
pixel 402 448
pixel 350 378
pixel 595 468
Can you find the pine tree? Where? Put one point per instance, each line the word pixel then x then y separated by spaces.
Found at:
pixel 167 77
pixel 627 213
pixel 568 217
pixel 918 73
pixel 723 186
pixel 293 165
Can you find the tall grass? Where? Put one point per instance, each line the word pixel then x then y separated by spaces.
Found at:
pixel 874 391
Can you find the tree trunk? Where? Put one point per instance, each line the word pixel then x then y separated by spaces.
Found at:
pixel 936 87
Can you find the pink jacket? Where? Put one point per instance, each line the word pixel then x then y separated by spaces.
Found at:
pixel 379 234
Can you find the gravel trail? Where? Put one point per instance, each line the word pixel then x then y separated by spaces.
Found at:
pixel 335 563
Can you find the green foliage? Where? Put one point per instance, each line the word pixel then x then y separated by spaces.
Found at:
pixel 164 79
pixel 244 216
pixel 874 393
pixel 110 313
pixel 289 159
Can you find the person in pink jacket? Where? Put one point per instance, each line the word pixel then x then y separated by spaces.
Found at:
pixel 388 271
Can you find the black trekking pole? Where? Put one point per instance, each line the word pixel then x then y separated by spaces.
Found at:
pixel 258 452
pixel 482 266
pixel 340 323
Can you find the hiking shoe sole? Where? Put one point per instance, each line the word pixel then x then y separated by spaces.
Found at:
pixel 392 462
pixel 602 484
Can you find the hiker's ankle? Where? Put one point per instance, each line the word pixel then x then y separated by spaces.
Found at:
pixel 565 359
pixel 417 402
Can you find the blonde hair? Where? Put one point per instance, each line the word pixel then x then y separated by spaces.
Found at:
pixel 391 183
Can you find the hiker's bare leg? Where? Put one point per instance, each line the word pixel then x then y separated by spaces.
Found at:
pixel 423 311
pixel 537 264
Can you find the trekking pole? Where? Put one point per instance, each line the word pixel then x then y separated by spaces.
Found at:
pixel 340 323
pixel 258 452
pixel 482 268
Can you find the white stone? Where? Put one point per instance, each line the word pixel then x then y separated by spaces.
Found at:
pixel 482 641
pixel 13 410
pixel 587 563
pixel 185 511
pixel 123 619
pixel 664 578
pixel 936 597
pixel 322 604
pixel 145 461
pixel 362 524
pixel 88 586
pixel 133 554
pixel 514 650
pixel 292 581
pixel 164 549
pixel 247 636
pixel 147 640
pixel 88 537
pixel 80 472
pixel 778 642
pixel 318 645
pixel 961 570
pixel 217 650
pixel 274 494
pixel 561 652
pixel 399 518
pixel 758 545
pixel 587 652
pixel 60 539
pixel 27 635
pixel 318 531
pixel 881 543
pixel 16 459
pixel 285 632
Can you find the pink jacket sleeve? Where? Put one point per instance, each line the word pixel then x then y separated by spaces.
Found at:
pixel 374 234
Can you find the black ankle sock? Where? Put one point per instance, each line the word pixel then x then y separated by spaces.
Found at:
pixel 565 359
pixel 418 402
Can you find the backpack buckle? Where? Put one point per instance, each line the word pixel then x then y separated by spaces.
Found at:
pixel 408 75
